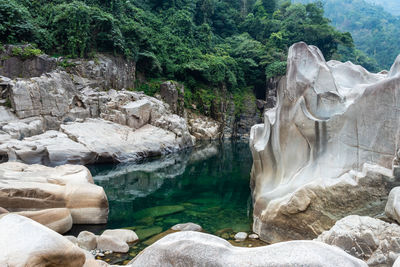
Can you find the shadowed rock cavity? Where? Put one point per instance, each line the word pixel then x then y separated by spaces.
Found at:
pixel 326 149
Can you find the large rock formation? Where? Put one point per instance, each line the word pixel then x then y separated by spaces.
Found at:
pixel 326 150
pixel 43 117
pixel 25 242
pixel 371 240
pixel 197 249
pixel 34 188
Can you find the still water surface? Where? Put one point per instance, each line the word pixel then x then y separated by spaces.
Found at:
pixel 207 185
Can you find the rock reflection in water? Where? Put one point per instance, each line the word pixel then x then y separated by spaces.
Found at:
pixel 207 185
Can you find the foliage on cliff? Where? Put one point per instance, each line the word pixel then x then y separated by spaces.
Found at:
pixel 213 42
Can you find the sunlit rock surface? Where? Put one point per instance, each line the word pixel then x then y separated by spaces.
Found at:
pixel 198 249
pixel 326 150
pixel 75 108
pixel 369 239
pixel 25 242
pixel 35 187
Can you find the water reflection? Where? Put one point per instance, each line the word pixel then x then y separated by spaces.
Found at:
pixel 208 185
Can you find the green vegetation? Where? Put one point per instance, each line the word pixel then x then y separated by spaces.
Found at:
pixel 25 52
pixel 375 31
pixel 217 43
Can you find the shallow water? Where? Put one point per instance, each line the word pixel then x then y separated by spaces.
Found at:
pixel 207 185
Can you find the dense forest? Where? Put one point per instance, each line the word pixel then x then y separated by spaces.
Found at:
pixel 391 6
pixel 375 31
pixel 212 43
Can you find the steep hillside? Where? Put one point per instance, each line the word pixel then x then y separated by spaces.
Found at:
pixel 375 31
pixel 391 6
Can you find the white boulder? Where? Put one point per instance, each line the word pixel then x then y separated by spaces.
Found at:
pixel 25 242
pixel 199 249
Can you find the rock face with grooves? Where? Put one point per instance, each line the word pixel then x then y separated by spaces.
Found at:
pixel 35 187
pixel 199 249
pixel 326 150
pixel 25 242
pixel 369 239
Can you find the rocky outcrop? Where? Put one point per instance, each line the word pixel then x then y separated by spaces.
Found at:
pixel 35 187
pixel 371 240
pixel 310 155
pixel 204 128
pixel 13 65
pixel 173 94
pixel 56 113
pixel 198 249
pixel 25 242
pixel 392 209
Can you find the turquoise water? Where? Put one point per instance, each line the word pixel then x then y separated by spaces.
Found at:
pixel 207 185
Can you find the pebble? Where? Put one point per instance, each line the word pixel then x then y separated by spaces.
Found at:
pixel 241 236
pixel 253 236
pixel 100 254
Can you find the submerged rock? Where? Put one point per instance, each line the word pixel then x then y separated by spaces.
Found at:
pixel 25 242
pixel 158 211
pixel 199 249
pixel 35 187
pixel 187 227
pixel 241 236
pixel 310 155
pixel 366 238
pixel 145 233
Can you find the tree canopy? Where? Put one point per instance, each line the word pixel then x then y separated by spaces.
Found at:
pixel 235 43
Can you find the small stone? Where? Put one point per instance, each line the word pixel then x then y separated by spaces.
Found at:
pixel 124 235
pixel 87 240
pixel 253 236
pixel 100 254
pixel 114 244
pixel 187 227
pixel 108 252
pixel 241 236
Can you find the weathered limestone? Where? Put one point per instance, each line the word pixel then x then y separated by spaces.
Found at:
pixel 326 150
pixel 392 209
pixel 199 249
pixel 25 242
pixel 58 220
pixel 204 128
pixel 35 187
pixel 371 240
pixel 64 101
pixel 173 94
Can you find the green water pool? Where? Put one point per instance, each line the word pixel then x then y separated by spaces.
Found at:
pixel 207 185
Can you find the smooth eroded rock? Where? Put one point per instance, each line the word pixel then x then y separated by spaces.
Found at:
pixel 124 235
pixel 58 220
pixel 187 227
pixel 25 242
pixel 87 240
pixel 309 156
pixel 36 187
pixel 105 242
pixel 199 249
